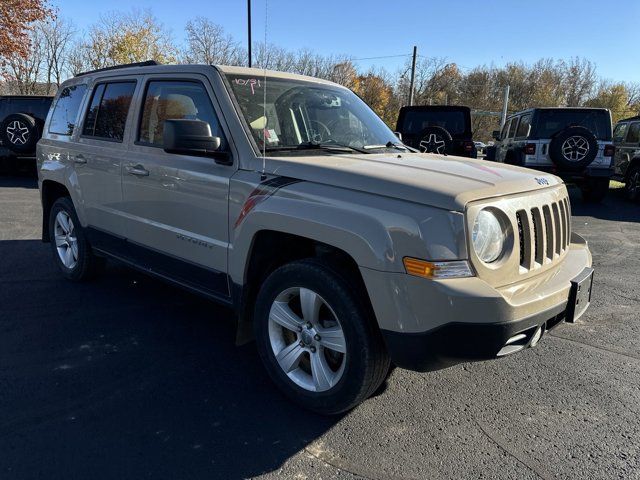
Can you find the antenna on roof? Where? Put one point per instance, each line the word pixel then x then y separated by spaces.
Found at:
pixel 264 96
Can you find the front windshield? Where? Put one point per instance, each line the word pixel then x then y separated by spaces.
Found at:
pixel 300 114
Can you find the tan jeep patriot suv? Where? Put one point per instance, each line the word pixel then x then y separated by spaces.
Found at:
pixel 287 198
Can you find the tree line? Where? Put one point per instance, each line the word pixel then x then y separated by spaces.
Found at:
pixel 50 49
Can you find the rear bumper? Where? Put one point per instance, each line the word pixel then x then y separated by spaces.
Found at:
pixel 589 172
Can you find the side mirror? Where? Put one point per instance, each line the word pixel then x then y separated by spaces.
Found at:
pixel 193 137
pixel 399 135
pixel 496 134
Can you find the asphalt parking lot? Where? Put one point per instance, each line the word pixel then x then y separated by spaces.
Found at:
pixel 126 377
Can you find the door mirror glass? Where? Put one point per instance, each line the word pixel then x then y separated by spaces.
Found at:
pixel 191 137
pixel 496 134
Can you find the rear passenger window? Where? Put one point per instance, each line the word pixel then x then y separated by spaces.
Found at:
pixel 512 128
pixel 524 127
pixel 166 100
pixel 107 114
pixel 634 133
pixel 65 113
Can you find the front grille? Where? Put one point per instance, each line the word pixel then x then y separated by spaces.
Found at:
pixel 544 233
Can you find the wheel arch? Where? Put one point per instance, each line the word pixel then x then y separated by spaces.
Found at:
pixel 50 191
pixel 269 250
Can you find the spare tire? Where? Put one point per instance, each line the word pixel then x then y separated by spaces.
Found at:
pixel 435 140
pixel 19 133
pixel 573 148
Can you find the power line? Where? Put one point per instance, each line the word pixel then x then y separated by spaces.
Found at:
pixel 378 58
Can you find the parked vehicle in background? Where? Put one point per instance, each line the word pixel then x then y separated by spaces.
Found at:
pixel 442 129
pixel 626 138
pixel 21 121
pixel 288 199
pixel 573 143
pixel 480 146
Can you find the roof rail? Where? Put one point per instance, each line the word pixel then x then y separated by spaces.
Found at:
pixel 147 63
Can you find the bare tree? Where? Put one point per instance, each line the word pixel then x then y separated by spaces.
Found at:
pixel 58 35
pixel 207 42
pixel 579 81
pixel 24 73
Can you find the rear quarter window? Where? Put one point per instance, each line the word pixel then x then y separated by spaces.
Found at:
pixel 551 121
pixel 65 113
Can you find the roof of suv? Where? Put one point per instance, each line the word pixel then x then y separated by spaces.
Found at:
pixel 154 67
pixel 532 109
pixel 630 119
pixel 23 97
pixel 436 108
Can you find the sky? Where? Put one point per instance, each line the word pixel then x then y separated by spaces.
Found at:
pixel 469 33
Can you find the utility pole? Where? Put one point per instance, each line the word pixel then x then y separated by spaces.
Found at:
pixel 249 30
pixel 413 74
pixel 505 104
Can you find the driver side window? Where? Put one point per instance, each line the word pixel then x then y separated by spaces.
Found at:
pixel 166 100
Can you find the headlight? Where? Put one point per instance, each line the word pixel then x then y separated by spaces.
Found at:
pixel 487 236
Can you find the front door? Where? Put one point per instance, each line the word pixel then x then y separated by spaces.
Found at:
pixel 176 205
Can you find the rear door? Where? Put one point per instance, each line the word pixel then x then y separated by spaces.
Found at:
pixel 630 147
pixel 98 154
pixel 177 205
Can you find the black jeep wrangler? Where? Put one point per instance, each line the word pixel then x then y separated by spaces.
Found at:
pixel 443 129
pixel 21 122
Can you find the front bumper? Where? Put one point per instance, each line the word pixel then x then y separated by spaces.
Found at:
pixel 430 324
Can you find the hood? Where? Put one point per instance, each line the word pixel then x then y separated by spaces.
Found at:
pixel 446 182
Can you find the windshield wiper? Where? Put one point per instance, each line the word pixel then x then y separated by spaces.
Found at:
pixel 328 147
pixel 397 146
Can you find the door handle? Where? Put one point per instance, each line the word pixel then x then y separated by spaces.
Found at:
pixel 79 159
pixel 138 170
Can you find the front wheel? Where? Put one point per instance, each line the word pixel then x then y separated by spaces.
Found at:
pixel 71 250
pixel 316 338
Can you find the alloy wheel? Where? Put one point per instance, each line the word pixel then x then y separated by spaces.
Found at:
pixel 17 133
pixel 434 144
pixel 633 185
pixel 66 240
pixel 307 339
pixel 575 149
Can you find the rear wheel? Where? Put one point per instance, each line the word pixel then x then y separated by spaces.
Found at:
pixel 316 339
pixel 595 189
pixel 71 250
pixel 632 185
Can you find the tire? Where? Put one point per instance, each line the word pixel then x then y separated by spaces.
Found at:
pixel 19 133
pixel 632 184
pixel 595 189
pixel 357 360
pixel 573 148
pixel 435 140
pixel 82 264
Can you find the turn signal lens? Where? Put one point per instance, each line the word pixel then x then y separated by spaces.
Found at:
pixel 422 268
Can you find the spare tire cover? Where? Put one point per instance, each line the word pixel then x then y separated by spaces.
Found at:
pixel 435 140
pixel 573 148
pixel 19 133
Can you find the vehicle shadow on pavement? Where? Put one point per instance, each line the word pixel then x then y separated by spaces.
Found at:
pixel 126 377
pixel 19 181
pixel 614 207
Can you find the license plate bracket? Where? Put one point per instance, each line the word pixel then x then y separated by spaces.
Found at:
pixel 580 294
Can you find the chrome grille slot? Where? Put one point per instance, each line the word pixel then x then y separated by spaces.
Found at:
pixel 538 235
pixel 558 228
pixel 548 222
